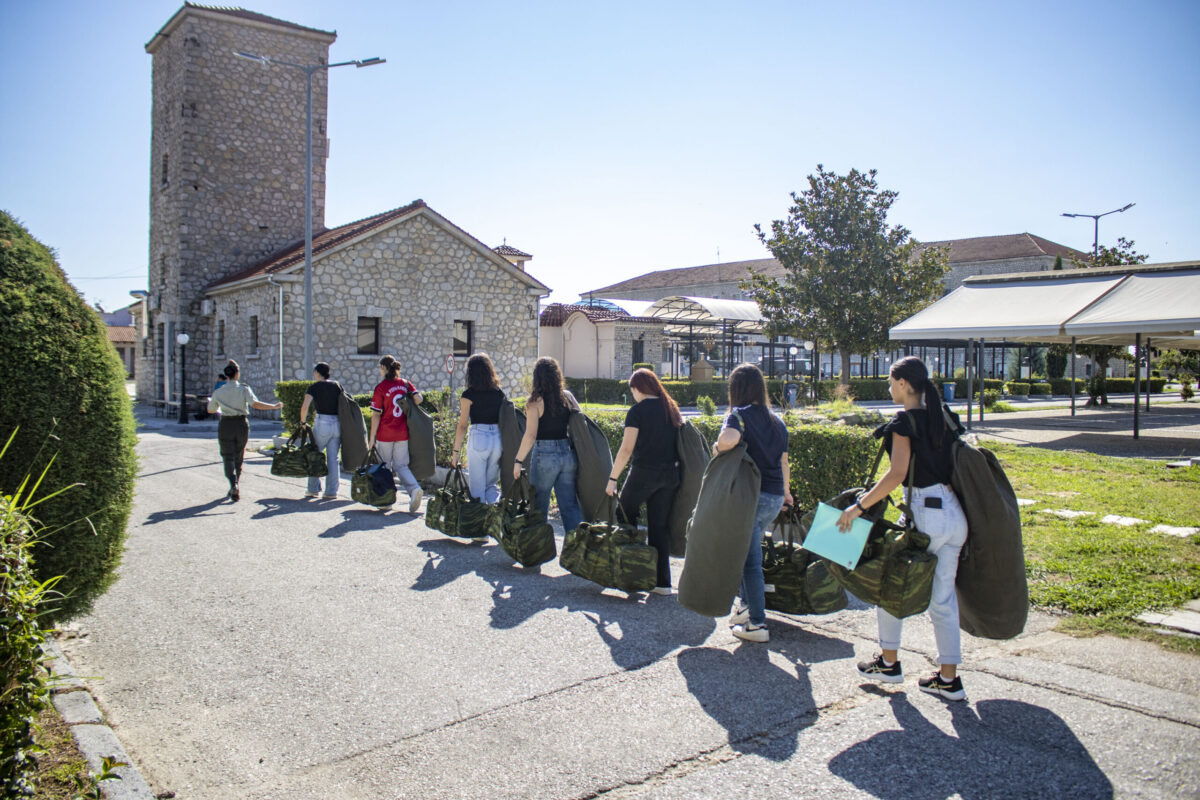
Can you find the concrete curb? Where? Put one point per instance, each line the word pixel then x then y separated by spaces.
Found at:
pixel 96 740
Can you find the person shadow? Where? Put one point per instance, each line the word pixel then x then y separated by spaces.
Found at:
pixel 274 506
pixel 638 629
pixel 356 517
pixel 191 512
pixel 761 705
pixel 1003 748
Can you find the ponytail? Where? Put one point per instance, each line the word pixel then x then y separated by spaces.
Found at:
pixel 913 370
pixel 391 366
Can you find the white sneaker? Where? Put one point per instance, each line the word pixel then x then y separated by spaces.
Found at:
pixel 310 494
pixel 752 633
pixel 664 590
pixel 415 503
pixel 740 617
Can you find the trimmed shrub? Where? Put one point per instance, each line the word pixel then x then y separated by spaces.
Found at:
pixel 65 380
pixel 990 398
pixel 25 687
pixel 1018 388
pixel 644 365
pixel 1125 385
pixel 1062 386
pixel 291 394
pixel 706 405
pixel 1042 389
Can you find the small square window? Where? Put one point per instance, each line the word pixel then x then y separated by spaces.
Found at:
pixel 463 338
pixel 368 336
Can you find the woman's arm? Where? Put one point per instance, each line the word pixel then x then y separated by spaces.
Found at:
pixel 727 440
pixel 895 476
pixel 304 407
pixel 464 419
pixel 261 406
pixel 375 417
pixel 788 500
pixel 623 455
pixel 533 412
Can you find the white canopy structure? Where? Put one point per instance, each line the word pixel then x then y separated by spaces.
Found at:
pixel 1114 305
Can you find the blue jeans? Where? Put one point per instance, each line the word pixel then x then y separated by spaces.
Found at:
pixel 327 433
pixel 483 462
pixel 554 467
pixel 753 589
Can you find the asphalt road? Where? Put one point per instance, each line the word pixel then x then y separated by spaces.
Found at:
pixel 284 648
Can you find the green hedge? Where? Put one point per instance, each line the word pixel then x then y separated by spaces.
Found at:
pixel 64 394
pixel 24 689
pixel 1125 385
pixel 1018 388
pixel 1062 386
pixel 291 394
pixel 1039 389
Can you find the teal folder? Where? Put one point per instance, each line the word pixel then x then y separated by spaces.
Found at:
pixel 826 540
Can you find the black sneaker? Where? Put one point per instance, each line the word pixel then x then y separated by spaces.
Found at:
pixel 878 671
pixel 936 684
pixel 234 495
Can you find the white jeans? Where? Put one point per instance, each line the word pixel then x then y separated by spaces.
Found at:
pixel 395 455
pixel 946 528
pixel 327 434
pixel 483 462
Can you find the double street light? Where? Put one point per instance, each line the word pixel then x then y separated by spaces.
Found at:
pixel 1096 227
pixel 309 70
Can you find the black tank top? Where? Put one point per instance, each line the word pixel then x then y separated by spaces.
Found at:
pixel 553 425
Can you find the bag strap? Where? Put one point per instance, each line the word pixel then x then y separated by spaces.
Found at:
pixel 606 511
pixel 912 470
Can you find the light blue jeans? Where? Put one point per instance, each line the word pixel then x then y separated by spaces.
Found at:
pixel 483 462
pixel 327 433
pixel 395 455
pixel 753 589
pixel 554 467
pixel 946 528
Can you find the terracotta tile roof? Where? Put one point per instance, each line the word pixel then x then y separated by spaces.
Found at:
pixel 688 276
pixel 998 248
pixel 236 12
pixel 555 314
pixel 293 254
pixel 980 248
pixel 508 251
pixel 122 334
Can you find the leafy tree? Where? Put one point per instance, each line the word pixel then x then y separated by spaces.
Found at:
pixel 1180 362
pixel 65 397
pixel 850 276
pixel 1121 255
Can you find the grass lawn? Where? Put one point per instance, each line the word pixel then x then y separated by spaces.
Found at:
pixel 62 773
pixel 1101 575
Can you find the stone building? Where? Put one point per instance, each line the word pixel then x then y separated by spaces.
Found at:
pixel 227 178
pixel 599 342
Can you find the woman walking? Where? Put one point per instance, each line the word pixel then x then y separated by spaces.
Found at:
pixel 937 514
pixel 766 438
pixel 327 431
pixel 389 427
pixel 649 440
pixel 234 400
pixel 479 409
pixel 554 466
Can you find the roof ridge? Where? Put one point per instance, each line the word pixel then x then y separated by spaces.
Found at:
pixel 239 10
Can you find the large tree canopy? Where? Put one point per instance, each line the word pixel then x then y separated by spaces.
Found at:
pixel 850 276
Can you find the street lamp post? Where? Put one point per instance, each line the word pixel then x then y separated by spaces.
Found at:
pixel 309 70
pixel 809 347
pixel 182 339
pixel 1096 227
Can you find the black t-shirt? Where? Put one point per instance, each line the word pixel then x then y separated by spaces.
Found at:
pixel 933 465
pixel 766 440
pixel 325 396
pixel 485 405
pixel 655 445
pixel 553 425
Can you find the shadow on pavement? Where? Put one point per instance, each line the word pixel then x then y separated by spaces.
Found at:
pixel 274 506
pixel 637 632
pixel 360 518
pixel 762 706
pixel 1003 748
pixel 190 512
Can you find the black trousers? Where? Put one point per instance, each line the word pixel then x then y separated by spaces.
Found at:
pixel 232 435
pixel 654 486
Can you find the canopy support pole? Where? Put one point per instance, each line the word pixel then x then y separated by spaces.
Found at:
pixel 1147 373
pixel 1072 376
pixel 970 374
pixel 1137 374
pixel 980 373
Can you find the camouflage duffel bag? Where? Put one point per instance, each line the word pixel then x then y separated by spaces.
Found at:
pixel 373 483
pixel 461 514
pixel 895 571
pixel 610 553
pixel 522 530
pixel 797 582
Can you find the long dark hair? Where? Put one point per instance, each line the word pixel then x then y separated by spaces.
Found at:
pixel 548 385
pixel 392 366
pixel 481 374
pixel 913 370
pixel 648 383
pixel 231 369
pixel 747 386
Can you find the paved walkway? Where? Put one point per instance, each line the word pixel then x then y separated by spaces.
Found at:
pixel 283 648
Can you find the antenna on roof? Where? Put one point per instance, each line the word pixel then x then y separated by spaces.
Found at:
pixel 718 254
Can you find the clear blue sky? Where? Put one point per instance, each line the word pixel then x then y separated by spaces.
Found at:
pixel 610 139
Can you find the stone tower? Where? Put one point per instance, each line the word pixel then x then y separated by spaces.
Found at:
pixel 226 170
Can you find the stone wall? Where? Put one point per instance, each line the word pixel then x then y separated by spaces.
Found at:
pixel 624 335
pixel 226 167
pixel 417 278
pixel 961 271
